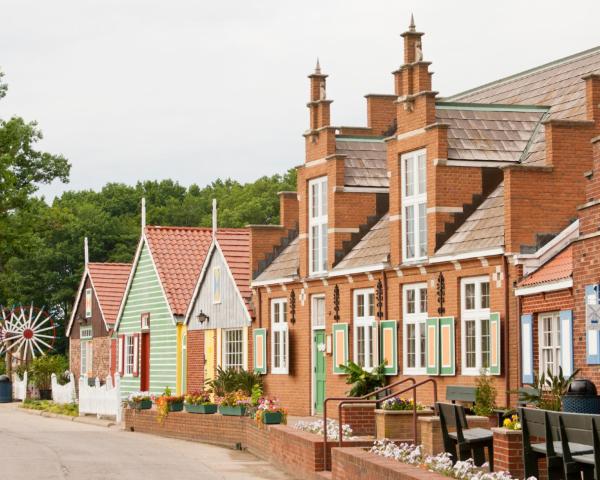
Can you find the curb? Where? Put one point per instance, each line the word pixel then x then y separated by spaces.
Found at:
pixel 86 420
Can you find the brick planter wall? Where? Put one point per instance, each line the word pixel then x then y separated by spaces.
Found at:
pixel 398 424
pixel 359 464
pixel 361 418
pixel 508 451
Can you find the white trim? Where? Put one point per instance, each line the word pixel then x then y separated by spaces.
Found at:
pixel 544 287
pixel 357 270
pixel 343 230
pixel 224 350
pixel 275 281
pixel 415 200
pixel 475 163
pixel 476 314
pixel 394 218
pixel 364 321
pixel 556 340
pixel 419 319
pixel 411 133
pixel 444 210
pixel 314 163
pixel 491 252
pixel 282 327
pixel 313 297
pixel 320 220
pixel 361 189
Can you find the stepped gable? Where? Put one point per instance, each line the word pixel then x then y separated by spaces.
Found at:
pixel 372 249
pixel 285 265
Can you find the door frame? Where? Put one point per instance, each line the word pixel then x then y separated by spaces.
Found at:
pixel 313 329
pixel 145 362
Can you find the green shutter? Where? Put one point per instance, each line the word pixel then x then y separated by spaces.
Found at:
pixel 432 341
pixel 447 346
pixel 340 347
pixel 495 358
pixel 259 352
pixel 389 346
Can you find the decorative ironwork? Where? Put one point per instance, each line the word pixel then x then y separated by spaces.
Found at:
pixel 379 298
pixel 336 303
pixel 293 306
pixel 441 293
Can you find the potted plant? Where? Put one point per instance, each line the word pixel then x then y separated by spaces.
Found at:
pixel 270 412
pixel 140 401
pixel 234 404
pixel 199 402
pixel 168 403
pixel 485 398
pixel 364 381
pixel 394 418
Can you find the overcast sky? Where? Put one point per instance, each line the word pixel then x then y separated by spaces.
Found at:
pixel 196 90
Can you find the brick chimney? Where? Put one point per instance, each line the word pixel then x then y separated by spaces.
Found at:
pixel 592 96
pixel 320 138
pixel 288 210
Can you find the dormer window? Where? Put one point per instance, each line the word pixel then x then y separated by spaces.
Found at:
pixel 414 205
pixel 317 225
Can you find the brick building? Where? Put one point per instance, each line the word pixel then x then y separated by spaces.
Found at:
pixel 402 242
pixel 91 350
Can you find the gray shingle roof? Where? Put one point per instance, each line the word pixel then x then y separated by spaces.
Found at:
pixel 366 162
pixel 284 266
pixel 482 230
pixel 373 248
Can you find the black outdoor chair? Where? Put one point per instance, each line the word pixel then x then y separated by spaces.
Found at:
pixel 465 442
pixel 582 429
pixel 545 425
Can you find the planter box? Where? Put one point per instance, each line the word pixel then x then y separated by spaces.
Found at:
pixel 176 407
pixel 143 405
pixel 238 411
pixel 272 418
pixel 206 409
pixel 398 424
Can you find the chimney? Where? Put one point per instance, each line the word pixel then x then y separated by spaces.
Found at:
pixel 288 210
pixel 319 105
pixel 592 96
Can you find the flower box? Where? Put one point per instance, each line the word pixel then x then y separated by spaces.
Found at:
pixel 141 405
pixel 398 424
pixel 238 411
pixel 175 406
pixel 271 418
pixel 206 409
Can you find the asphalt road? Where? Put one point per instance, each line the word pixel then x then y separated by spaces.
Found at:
pixel 34 447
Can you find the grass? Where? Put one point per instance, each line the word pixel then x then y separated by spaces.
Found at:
pixel 71 409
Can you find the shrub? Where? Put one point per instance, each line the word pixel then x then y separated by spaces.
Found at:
pixel 363 381
pixel 485 395
pixel 232 380
pixel 43 367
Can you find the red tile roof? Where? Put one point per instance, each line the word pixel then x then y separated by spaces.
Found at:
pixel 178 254
pixel 235 244
pixel 110 281
pixel 558 268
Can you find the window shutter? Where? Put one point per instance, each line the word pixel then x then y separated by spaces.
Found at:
pixel 121 354
pixel 389 346
pixel 136 356
pixel 340 347
pixel 527 348
pixel 432 328
pixel 260 350
pixel 593 334
pixel 495 350
pixel 566 342
pixel 447 346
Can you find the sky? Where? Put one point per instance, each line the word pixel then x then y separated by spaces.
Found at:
pixel 132 90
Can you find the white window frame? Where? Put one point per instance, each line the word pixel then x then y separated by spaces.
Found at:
pixel 217 285
pixel 477 314
pixel 418 319
pixel 86 356
pixel 414 200
pixel 129 345
pixel 313 301
pixel 225 349
pixel 363 321
pixel 281 328
pixel 318 220
pixel 555 348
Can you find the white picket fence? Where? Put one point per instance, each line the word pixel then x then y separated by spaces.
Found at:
pixel 63 393
pixel 99 400
pixel 19 386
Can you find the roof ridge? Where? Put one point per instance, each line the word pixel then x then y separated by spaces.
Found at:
pixel 525 73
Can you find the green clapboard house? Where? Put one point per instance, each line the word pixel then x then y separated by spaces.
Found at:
pixel 150 325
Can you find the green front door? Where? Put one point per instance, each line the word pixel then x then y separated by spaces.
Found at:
pixel 318 369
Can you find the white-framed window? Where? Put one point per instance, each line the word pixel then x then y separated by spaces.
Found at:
pixel 216 284
pixel 88 302
pixel 365 329
pixel 318 312
pixel 233 348
pixel 549 338
pixel 475 328
pixel 129 355
pixel 317 225
pixel 414 308
pixel 86 356
pixel 279 336
pixel 414 205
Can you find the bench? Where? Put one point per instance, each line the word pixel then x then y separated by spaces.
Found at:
pixel 465 442
pixel 460 393
pixel 580 429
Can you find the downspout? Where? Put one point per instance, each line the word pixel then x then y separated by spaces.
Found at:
pixel 385 294
pixel 506 328
pixel 519 353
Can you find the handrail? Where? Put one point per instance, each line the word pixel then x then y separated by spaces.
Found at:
pixel 368 395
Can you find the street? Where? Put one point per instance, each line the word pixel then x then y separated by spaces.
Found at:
pixel 34 447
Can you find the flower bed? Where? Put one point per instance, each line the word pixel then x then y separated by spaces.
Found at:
pixel 199 402
pixel 333 429
pixel 140 400
pixel 234 404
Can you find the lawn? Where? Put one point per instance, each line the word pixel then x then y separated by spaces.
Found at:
pixel 71 409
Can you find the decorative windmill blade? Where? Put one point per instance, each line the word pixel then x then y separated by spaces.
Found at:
pixel 26 331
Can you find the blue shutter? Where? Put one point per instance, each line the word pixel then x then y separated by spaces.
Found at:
pixel 566 342
pixel 527 348
pixel 592 336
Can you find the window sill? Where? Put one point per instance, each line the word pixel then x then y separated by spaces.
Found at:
pixel 279 372
pixel 414 371
pixel 470 372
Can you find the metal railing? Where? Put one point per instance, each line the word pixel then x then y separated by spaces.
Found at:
pixel 367 399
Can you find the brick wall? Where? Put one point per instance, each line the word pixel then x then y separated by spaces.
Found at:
pixel 75 356
pixel 360 418
pixel 508 451
pixel 195 360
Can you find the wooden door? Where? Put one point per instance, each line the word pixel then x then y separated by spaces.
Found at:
pixel 209 355
pixel 145 363
pixel 319 373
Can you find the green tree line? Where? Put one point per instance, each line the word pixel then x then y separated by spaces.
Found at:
pixel 41 244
